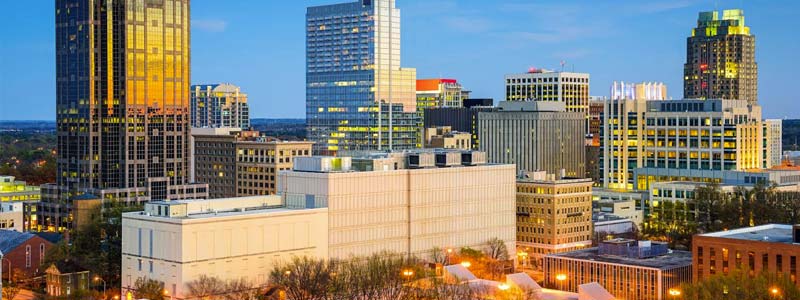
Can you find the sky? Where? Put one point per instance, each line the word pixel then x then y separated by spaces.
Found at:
pixel 260 46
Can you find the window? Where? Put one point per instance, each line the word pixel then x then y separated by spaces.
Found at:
pixel 140 265
pixel 27 256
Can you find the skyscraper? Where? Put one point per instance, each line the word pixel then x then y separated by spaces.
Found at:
pixel 721 58
pixel 219 105
pixel 122 93
pixel 357 95
pixel 545 85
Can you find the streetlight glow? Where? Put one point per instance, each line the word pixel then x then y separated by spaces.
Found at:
pixel 466 264
pixel 674 292
pixel 774 291
pixel 561 277
pixel 503 286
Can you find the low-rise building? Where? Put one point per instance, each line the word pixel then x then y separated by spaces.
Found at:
pixel 445 138
pixel 407 202
pixel 231 238
pixel 629 269
pixel 238 163
pixel 609 226
pixel 24 253
pixel 772 248
pixel 553 215
pixel 11 216
pixel 328 207
pixel 624 208
pixel 65 278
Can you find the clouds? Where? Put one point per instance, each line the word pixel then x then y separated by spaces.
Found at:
pixel 209 25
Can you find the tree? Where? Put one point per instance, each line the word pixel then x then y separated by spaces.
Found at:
pixel 206 288
pixel 10 290
pixel 240 290
pixel 739 284
pixel 496 257
pixel 148 289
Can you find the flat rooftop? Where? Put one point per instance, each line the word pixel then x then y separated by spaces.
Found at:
pixel 674 259
pixel 770 233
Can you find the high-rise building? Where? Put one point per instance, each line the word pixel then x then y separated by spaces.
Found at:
pixel 770 249
pixel 122 103
pixel 570 88
pixel 629 269
pixel 219 105
pixel 774 141
pixel 535 136
pixel 650 135
pixel 554 215
pixel 357 95
pixel 721 58
pixel 238 163
pixel 439 92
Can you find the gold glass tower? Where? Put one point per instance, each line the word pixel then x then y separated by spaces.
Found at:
pixel 122 77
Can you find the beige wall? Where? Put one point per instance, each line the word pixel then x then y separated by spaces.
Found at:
pixel 412 210
pixel 228 246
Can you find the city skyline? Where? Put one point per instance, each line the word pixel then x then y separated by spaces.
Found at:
pixel 518 34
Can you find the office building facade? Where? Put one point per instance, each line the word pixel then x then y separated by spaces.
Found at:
pixel 236 164
pixel 771 249
pixel 357 95
pixel 445 138
pixel 553 215
pixel 122 102
pixel 775 141
pixel 721 58
pixel 570 88
pixel 680 135
pixel 536 136
pixel 219 105
pixel 461 119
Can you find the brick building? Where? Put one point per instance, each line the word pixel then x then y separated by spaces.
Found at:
pixel 24 252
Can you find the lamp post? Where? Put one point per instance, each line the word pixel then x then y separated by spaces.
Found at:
pixel 775 292
pixel 97 278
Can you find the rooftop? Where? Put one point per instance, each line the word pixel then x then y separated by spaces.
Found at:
pixel 10 239
pixel 673 259
pixel 770 233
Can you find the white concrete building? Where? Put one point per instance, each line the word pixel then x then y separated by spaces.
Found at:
pixel 408 210
pixel 11 216
pixel 177 241
pixel 774 141
pixel 328 208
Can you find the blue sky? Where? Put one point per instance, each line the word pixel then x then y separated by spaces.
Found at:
pixel 259 45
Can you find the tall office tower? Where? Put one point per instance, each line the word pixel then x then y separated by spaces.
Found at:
pixel 237 163
pixel 357 95
pixel 544 85
pixel 122 102
pixel 721 58
pixel 535 136
pixel 553 215
pixel 774 134
pixel 219 105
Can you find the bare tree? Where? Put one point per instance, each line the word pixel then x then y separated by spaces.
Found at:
pixel 206 288
pixel 10 290
pixel 241 289
pixel 304 278
pixel 438 256
pixel 496 257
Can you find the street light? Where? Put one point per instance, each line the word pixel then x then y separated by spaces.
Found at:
pixel 96 278
pixel 674 292
pixel 408 273
pixel 561 277
pixel 503 286
pixel 466 264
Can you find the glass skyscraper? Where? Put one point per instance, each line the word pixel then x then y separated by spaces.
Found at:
pixel 122 103
pixel 357 95
pixel 721 58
